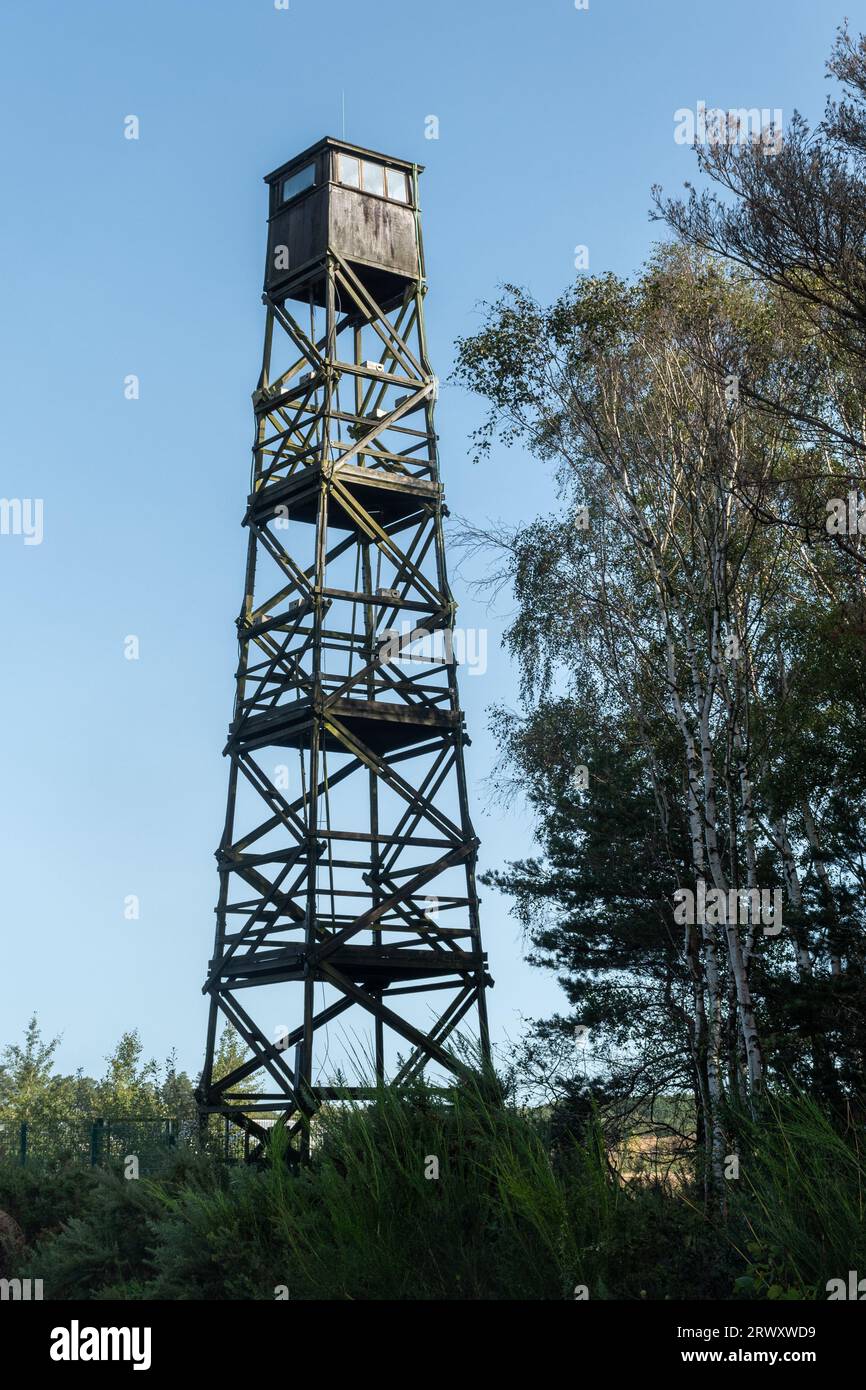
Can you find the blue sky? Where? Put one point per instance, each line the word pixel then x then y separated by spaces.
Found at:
pixel 145 257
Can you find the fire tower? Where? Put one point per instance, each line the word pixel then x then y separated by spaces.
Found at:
pixel 347 861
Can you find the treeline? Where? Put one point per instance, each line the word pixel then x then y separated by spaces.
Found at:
pixel 689 630
pixel 33 1089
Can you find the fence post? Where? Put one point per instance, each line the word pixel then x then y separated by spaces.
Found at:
pixel 96 1142
pixel 22 1143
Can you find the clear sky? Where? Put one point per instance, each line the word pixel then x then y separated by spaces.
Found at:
pixel 145 257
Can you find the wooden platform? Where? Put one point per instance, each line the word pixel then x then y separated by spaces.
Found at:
pixel 374 967
pixel 385 495
pixel 378 725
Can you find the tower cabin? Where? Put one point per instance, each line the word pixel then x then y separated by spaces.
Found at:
pixel 352 202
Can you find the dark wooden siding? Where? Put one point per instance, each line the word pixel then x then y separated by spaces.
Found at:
pixel 303 228
pixel 373 232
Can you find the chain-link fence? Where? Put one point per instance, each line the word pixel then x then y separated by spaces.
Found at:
pixel 97 1142
pixel 104 1140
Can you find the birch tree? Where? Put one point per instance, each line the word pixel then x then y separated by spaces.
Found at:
pixel 672 604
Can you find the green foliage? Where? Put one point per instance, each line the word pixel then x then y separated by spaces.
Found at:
pixel 41 1202
pixel 702 756
pixel 800 1199
pixel 101 1248
pixel 595 901
pixel 363 1221
pixel 29 1087
pixel 59 1109
pixel 511 1215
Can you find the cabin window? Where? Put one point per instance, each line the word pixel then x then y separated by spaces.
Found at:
pixel 398 186
pixel 350 171
pixel 374 178
pixel 299 181
pixel 354 172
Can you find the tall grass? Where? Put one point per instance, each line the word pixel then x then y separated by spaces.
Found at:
pixel 800 1198
pixel 409 1197
pixel 406 1198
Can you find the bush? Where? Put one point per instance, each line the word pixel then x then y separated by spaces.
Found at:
pixel 369 1220
pixel 799 1201
pixel 103 1247
pixel 411 1198
pixel 41 1200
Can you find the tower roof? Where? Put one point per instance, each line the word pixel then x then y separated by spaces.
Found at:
pixel 329 142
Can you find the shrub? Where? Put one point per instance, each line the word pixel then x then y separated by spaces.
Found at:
pixel 800 1199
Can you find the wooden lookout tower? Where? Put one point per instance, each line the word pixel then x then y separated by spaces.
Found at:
pixel 347 861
